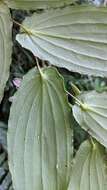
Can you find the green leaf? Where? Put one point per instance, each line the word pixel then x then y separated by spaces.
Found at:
pixel 74 38
pixel 34 4
pixel 92 115
pixel 89 170
pixel 40 133
pixel 5 45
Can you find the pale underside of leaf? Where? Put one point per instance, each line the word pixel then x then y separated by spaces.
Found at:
pixel 5 46
pixel 40 133
pixel 93 119
pixel 74 38
pixel 35 4
pixel 89 170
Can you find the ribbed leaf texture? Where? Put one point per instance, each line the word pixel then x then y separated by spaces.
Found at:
pixel 34 4
pixel 74 38
pixel 40 133
pixel 5 45
pixel 93 117
pixel 89 170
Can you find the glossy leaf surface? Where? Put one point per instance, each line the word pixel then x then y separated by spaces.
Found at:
pixel 35 4
pixel 40 133
pixel 74 38
pixel 92 116
pixel 5 45
pixel 89 170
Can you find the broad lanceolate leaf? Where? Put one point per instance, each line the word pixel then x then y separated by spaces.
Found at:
pixel 74 38
pixel 34 4
pixel 92 115
pixel 5 45
pixel 39 136
pixel 89 170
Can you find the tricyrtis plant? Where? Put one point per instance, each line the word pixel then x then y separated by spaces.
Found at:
pixel 5 45
pixel 41 124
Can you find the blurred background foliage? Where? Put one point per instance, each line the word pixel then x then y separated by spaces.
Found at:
pixel 22 62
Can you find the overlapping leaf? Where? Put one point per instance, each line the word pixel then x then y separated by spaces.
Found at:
pixel 89 170
pixel 39 136
pixel 74 38
pixel 92 116
pixel 34 4
pixel 5 45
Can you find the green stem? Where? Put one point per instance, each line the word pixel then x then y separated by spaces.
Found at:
pixel 39 69
pixel 76 99
pixel 93 143
pixel 84 106
pixel 75 89
pixel 27 31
